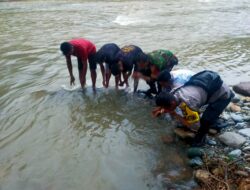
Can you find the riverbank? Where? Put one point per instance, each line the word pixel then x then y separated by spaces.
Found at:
pixel 224 162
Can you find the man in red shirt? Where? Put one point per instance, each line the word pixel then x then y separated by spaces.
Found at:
pixel 85 51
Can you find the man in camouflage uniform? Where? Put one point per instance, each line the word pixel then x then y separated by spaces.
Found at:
pixel 150 65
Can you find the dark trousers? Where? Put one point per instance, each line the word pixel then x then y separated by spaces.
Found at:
pixel 211 115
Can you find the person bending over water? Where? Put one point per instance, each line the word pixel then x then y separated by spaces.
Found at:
pixel 125 63
pixel 107 54
pixel 150 65
pixel 85 51
pixel 204 88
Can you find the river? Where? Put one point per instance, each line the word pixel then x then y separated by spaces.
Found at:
pixel 52 139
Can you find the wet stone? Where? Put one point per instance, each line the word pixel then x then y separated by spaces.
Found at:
pixel 167 139
pixel 247 148
pixel 235 153
pixel 195 152
pixel 213 131
pixel 236 117
pixel 240 125
pixel 234 108
pixel 232 139
pixel 246 118
pixel 211 142
pixel 242 88
pixel 245 99
pixel 245 132
pixel 226 116
pixel 195 162
pixel 184 134
pixel 235 99
pixel 245 108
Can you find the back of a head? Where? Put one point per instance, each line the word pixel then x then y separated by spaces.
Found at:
pixel 164 99
pixel 99 57
pixel 65 47
pixel 115 69
pixel 164 76
pixel 142 57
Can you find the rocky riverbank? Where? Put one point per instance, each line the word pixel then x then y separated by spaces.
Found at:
pixel 224 162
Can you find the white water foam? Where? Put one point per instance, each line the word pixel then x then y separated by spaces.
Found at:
pixel 70 88
pixel 125 20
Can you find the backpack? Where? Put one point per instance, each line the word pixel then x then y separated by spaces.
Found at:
pixel 210 81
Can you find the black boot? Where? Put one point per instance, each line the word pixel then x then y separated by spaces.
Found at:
pixel 200 138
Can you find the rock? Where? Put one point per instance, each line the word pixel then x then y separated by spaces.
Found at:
pixel 245 132
pixel 167 139
pixel 245 99
pixel 246 118
pixel 184 134
pixel 202 176
pixel 234 107
pixel 195 162
pixel 235 99
pixel 235 153
pixel 246 148
pixel 240 125
pixel 220 124
pixel 242 88
pixel 236 117
pixel 226 116
pixel 195 152
pixel 245 108
pixel 213 131
pixel 232 139
pixel 241 173
pixel 211 142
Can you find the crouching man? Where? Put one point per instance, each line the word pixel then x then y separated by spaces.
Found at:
pixel 203 89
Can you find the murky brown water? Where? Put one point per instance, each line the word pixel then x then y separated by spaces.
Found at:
pixel 54 139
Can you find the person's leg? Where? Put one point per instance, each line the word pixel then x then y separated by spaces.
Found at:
pixel 209 117
pixel 82 69
pixel 92 66
pixel 107 74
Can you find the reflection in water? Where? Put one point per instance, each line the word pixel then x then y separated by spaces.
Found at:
pixel 51 138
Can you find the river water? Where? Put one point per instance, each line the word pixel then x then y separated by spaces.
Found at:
pixel 52 139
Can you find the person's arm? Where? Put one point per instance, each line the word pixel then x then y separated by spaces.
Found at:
pixel 117 80
pixel 103 74
pixel 126 76
pixel 154 72
pixel 139 75
pixel 108 75
pixel 69 65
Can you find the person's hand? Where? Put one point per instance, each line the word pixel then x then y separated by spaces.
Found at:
pixel 72 80
pixel 121 83
pixel 137 75
pixel 157 111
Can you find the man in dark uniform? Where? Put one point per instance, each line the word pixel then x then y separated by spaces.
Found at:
pixel 107 54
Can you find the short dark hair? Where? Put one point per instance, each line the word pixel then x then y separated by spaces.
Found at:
pixel 115 70
pixel 65 47
pixel 142 57
pixel 164 99
pixel 164 76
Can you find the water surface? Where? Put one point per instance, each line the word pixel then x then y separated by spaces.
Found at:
pixel 54 139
